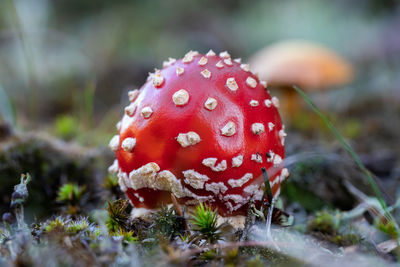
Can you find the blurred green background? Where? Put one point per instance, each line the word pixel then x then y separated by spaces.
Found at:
pixel 66 65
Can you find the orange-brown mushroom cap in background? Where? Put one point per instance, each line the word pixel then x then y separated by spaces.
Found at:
pixel 303 63
pixel 201 128
pixel 310 66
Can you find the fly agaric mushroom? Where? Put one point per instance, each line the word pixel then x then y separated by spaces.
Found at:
pixel 308 65
pixel 201 128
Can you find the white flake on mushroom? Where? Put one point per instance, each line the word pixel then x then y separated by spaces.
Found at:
pixel 158 79
pixel 113 169
pixel 150 176
pixel 146 112
pixel 282 135
pixel 203 61
pixel 245 67
pixel 250 189
pixel 128 144
pixel 229 129
pixel 169 62
pixel 257 158
pixel 275 101
pixel 189 56
pixel 114 143
pixel 180 97
pixel 216 188
pixel 267 103
pixel 179 71
pixel 270 156
pixel 253 103
pixel 231 84
pixel 284 174
pixel 130 110
pixel 210 53
pixel 235 198
pixel 118 125
pixel 270 126
pixel 277 159
pixel 211 103
pixel 237 161
pixel 195 179
pixel 133 95
pixel 219 64
pixel 238 60
pixel 210 162
pixel 241 181
pixel 264 84
pixel 206 73
pixel 122 178
pixel 250 81
pixel 228 61
pixel 188 139
pixel 224 54
pixel 257 128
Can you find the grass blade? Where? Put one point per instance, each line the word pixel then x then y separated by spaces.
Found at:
pixel 7 111
pixel 352 153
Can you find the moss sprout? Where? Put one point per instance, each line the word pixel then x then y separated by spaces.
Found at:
pixel 204 220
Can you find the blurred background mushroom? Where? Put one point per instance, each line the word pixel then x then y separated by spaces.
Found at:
pixel 311 66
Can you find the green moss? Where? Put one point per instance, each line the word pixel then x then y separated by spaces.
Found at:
pixel 118 216
pixel 204 220
pixel 70 193
pixel 325 223
pixel 167 224
pixel 66 127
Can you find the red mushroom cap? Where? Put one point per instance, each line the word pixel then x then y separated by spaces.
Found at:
pixel 202 127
